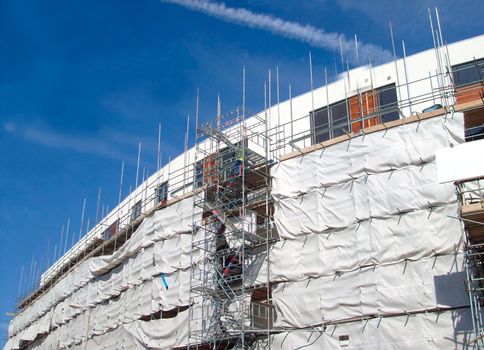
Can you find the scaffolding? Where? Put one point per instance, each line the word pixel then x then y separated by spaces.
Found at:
pixel 234 234
pixel 280 139
pixel 471 200
pixel 229 180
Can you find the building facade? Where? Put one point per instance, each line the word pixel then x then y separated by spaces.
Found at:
pixel 324 221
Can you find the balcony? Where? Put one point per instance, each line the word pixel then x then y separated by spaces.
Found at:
pixel 471 196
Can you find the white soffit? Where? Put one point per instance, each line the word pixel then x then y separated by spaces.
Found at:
pixel 461 162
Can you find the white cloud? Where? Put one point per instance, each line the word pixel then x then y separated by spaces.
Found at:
pixel 316 37
pixel 100 144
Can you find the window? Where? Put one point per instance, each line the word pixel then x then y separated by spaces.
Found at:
pixel 136 210
pixel 260 310
pixel 468 73
pixel 227 163
pixel 328 126
pixel 321 125
pixel 161 193
pixel 198 174
pixel 219 166
pixel 363 110
pixel 388 103
pixel 339 116
pixel 110 230
pixel 373 107
pixel 468 81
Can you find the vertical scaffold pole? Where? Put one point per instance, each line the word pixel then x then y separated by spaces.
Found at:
pixel 82 217
pixel 290 114
pixel 243 92
pixel 312 120
pixel 407 83
pixel 395 63
pixel 20 282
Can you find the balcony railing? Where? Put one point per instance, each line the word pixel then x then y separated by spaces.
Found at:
pixel 471 191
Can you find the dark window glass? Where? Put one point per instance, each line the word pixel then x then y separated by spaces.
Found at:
pixel 339 115
pixel 328 126
pixel 161 192
pixel 320 122
pixel 474 133
pixel 468 73
pixel 136 210
pixel 110 230
pixel 198 176
pixel 227 163
pixel 227 155
pixel 336 123
pixel 230 159
pixel 388 103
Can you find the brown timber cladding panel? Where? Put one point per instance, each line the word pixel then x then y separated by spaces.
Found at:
pixel 469 93
pixel 363 105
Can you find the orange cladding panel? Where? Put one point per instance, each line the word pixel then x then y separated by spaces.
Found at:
pixel 355 114
pixel 368 105
pixel 469 93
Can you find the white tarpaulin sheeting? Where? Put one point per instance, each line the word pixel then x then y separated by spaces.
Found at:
pixel 366 229
pixel 375 196
pixel 143 299
pixel 409 144
pixel 413 235
pixel 402 287
pixel 448 330
pixel 163 224
pixel 160 244
pixel 163 333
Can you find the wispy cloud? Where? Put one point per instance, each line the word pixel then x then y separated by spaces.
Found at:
pixel 104 144
pixel 316 37
pixel 410 17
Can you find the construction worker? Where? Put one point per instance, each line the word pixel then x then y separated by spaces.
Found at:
pixel 239 161
pixel 232 266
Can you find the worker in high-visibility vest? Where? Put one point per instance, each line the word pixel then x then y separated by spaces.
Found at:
pixel 239 161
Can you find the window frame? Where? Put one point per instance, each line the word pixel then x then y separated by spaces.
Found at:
pixel 136 210
pixel 390 115
pixel 477 65
pixel 332 128
pixel 158 199
pixel 334 121
pixel 111 230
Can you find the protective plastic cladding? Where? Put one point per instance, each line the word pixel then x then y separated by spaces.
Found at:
pixel 367 246
pixel 100 302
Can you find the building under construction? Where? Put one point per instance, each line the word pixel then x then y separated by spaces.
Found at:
pixel 349 216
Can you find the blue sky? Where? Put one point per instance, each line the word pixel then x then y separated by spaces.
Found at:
pixel 81 83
